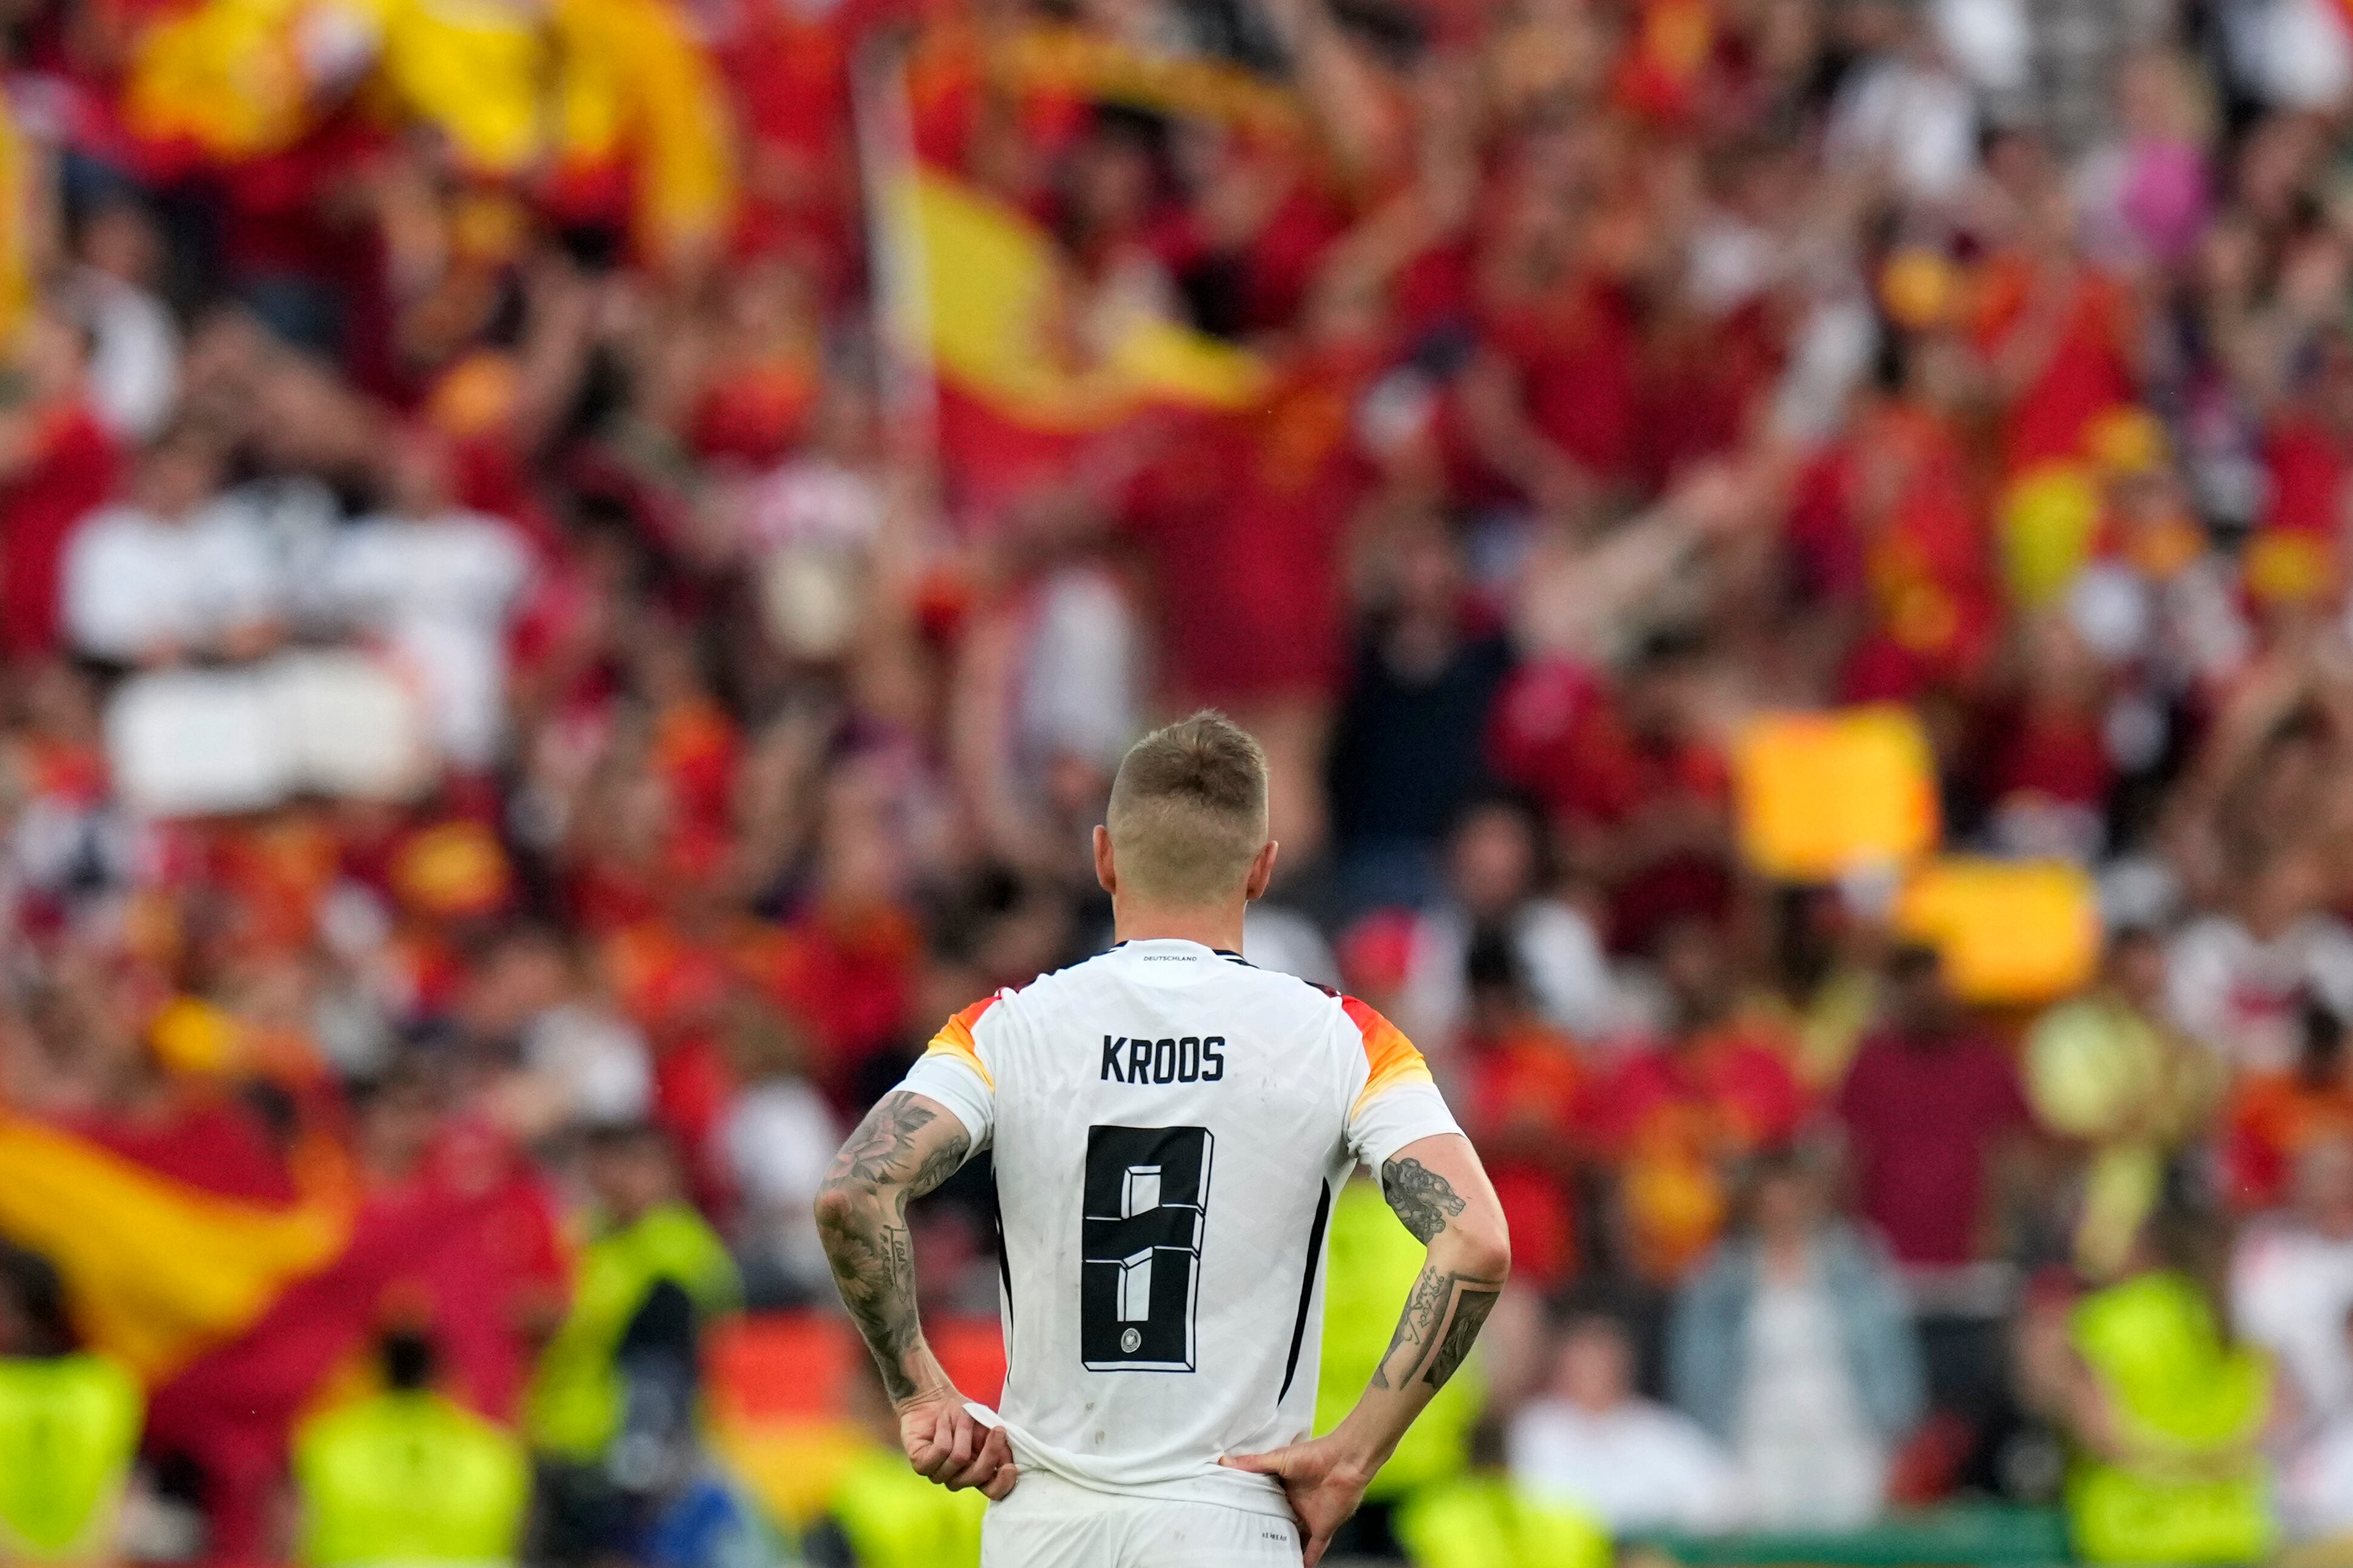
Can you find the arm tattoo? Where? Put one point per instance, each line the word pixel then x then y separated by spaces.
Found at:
pixel 867 1241
pixel 1471 1312
pixel 1422 1198
pixel 882 1152
pixel 939 1164
pixel 1424 1307
pixel 1425 1314
pixel 874 1266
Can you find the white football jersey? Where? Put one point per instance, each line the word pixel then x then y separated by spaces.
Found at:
pixel 1170 1125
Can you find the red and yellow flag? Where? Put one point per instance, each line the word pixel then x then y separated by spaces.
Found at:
pixel 158 1270
pixel 1004 319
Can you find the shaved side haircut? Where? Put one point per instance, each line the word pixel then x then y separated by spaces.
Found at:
pixel 1188 811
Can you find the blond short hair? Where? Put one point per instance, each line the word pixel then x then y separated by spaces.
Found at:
pixel 1188 811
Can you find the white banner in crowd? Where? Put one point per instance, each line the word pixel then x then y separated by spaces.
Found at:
pixel 199 743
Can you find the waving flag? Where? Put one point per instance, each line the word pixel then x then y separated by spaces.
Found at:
pixel 1006 361
pixel 1001 303
pixel 1023 370
pixel 223 81
pixel 160 1269
pixel 640 112
pixel 244 1285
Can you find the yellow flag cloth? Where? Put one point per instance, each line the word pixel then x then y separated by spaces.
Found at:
pixel 634 87
pixel 158 1272
pixel 225 76
pixel 998 303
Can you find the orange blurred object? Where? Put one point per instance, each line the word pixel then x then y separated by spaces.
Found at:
pixel 765 1367
pixel 1919 288
pixel 199 1037
pixel 453 870
pixel 1819 794
pixel 2287 566
pixel 2009 930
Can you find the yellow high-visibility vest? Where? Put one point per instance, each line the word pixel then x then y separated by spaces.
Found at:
pixel 68 1427
pixel 1485 1521
pixel 2197 1404
pixel 1373 1263
pixel 574 1406
pixel 893 1518
pixel 409 1478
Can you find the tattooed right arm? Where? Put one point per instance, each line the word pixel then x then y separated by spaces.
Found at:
pixel 906 1146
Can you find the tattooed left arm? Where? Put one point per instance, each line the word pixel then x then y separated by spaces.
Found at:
pixel 1440 1193
pixel 907 1145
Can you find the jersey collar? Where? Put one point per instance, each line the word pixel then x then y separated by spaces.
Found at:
pixel 1176 944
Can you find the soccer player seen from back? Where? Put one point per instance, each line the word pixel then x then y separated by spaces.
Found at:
pixel 1169 1126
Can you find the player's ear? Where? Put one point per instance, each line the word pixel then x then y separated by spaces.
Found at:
pixel 1261 871
pixel 1105 873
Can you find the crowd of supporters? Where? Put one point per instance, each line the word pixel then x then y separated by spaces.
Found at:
pixel 540 656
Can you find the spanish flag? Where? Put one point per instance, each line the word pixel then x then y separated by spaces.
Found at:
pixel 221 81
pixel 639 109
pixel 1025 365
pixel 161 1269
pixel 1002 305
pixel 241 1283
pixel 475 71
pixel 185 1246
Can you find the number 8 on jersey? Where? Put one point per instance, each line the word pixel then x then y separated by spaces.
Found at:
pixel 1146 1209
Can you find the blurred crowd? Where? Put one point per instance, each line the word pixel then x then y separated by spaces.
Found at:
pixel 532 679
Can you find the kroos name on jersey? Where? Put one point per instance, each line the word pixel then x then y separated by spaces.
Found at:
pixel 1193 1058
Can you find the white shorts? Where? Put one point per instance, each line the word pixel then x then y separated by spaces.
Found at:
pixel 1048 1522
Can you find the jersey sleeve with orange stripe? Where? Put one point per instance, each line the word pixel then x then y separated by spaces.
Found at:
pixel 954 1070
pixel 1400 1102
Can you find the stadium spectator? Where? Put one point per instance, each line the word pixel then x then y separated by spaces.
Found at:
pixel 610 1411
pixel 2240 980
pixel 408 1475
pixel 1792 1346
pixel 1407 746
pixel 1496 878
pixel 2272 1118
pixel 134 339
pixel 775 1139
pixel 1927 1108
pixel 1482 1519
pixel 2313 1482
pixel 1528 1105
pixel 1635 1464
pixel 1369 1258
pixel 439 584
pixel 182 572
pixel 2291 1283
pixel 2110 1074
pixel 58 463
pixel 1676 1120
pixel 69 1425
pixel 2164 1414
